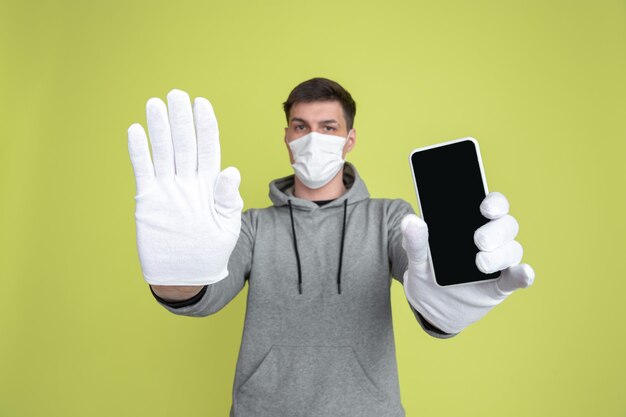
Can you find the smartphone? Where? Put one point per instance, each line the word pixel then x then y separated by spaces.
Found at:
pixel 450 185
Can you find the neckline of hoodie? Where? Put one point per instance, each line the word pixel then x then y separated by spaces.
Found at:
pixel 322 202
pixel 281 190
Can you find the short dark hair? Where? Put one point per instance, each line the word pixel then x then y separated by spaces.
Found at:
pixel 322 89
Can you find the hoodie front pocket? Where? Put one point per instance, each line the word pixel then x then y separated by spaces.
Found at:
pixel 310 381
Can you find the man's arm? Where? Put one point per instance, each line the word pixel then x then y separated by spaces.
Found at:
pixel 399 261
pixel 200 301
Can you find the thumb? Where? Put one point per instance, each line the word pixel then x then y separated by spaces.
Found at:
pixel 228 201
pixel 516 276
pixel 414 237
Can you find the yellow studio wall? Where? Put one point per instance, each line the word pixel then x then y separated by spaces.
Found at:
pixel 540 84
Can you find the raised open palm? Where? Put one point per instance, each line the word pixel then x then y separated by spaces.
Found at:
pixel 188 211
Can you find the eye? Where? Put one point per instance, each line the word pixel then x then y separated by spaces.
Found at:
pixel 330 128
pixel 299 127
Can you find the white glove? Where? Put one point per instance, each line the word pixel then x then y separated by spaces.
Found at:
pixel 452 308
pixel 188 213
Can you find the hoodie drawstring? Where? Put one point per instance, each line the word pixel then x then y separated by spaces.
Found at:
pixel 295 244
pixel 343 237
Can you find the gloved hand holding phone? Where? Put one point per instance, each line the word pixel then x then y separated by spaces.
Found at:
pixel 452 308
pixel 188 212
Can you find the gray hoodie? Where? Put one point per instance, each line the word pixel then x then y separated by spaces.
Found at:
pixel 318 334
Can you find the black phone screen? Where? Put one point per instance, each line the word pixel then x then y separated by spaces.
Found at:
pixel 450 189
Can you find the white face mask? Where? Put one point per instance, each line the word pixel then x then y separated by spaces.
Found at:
pixel 318 158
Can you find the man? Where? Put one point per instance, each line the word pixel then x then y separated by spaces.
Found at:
pixel 318 337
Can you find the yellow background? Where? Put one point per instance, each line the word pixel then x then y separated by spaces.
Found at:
pixel 539 83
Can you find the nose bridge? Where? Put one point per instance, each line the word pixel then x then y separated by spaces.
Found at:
pixel 317 127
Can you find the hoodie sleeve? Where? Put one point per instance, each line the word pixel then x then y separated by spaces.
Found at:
pixel 398 261
pixel 214 297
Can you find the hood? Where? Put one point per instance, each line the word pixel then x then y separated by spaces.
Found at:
pixel 281 191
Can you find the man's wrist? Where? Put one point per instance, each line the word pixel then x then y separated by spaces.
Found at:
pixel 181 303
pixel 428 325
pixel 174 293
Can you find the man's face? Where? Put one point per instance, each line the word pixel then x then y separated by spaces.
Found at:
pixel 318 116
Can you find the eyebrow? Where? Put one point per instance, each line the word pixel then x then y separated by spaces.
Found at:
pixel 297 119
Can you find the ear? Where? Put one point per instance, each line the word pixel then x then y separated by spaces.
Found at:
pixel 351 140
pixel 349 143
pixel 291 160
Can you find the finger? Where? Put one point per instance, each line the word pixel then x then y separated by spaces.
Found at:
pixel 496 233
pixel 140 157
pixel 209 152
pixel 183 132
pixel 414 237
pixel 228 201
pixel 505 256
pixel 494 205
pixel 516 276
pixel 160 138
